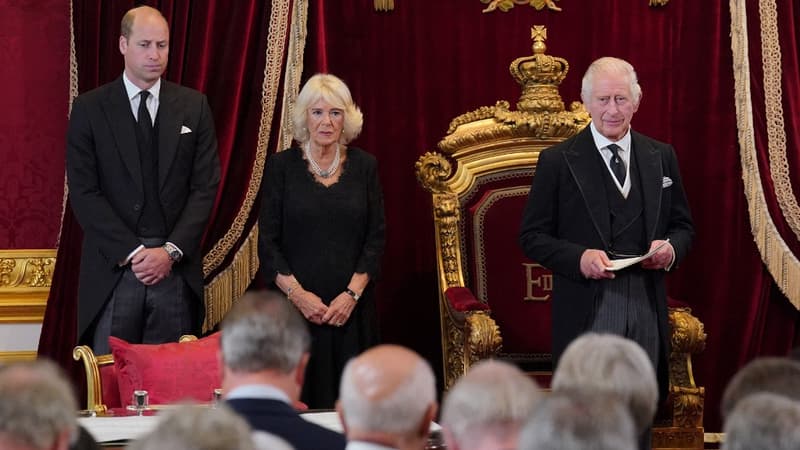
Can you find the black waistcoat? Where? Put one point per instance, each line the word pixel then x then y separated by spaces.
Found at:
pixel 151 222
pixel 628 234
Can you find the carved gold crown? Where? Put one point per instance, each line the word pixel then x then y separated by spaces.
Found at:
pixel 539 75
pixel 540 111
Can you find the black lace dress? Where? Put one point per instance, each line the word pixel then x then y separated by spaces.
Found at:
pixel 323 235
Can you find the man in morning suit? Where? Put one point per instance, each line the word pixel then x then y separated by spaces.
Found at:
pixel 264 347
pixel 607 193
pixel 142 171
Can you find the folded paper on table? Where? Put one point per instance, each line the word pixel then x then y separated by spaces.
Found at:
pixel 619 264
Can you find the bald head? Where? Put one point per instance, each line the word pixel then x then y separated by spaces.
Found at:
pixel 387 389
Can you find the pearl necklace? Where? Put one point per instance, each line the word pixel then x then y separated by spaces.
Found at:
pixel 316 168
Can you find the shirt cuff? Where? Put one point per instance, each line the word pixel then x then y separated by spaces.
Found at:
pixel 671 261
pixel 127 260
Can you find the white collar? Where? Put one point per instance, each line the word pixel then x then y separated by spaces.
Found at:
pixel 602 142
pixel 134 90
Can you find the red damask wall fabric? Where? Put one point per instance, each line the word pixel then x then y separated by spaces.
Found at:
pixel 414 69
pixel 33 111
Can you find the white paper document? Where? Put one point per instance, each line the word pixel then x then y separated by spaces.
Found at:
pixel 619 264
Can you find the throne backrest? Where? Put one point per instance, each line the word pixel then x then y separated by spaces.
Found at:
pixel 479 184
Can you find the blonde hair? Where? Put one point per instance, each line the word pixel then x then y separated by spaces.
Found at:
pixel 330 88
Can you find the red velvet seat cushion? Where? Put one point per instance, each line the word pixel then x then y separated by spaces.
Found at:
pixel 168 372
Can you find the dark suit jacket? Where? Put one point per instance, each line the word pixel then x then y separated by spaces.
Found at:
pixel 567 213
pixel 105 184
pixel 278 418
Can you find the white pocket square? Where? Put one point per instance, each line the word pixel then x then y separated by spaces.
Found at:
pixel 185 129
pixel 666 182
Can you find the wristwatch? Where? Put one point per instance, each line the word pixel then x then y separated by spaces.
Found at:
pixel 174 254
pixel 351 293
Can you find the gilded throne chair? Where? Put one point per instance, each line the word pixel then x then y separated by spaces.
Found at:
pixel 493 301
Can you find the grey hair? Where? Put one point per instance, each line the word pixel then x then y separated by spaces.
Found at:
pixel 579 420
pixel 37 403
pixel 610 65
pixel 400 412
pixel 198 428
pixel 333 90
pixel 614 365
pixel 263 331
pixel 763 420
pixel 767 374
pixel 493 398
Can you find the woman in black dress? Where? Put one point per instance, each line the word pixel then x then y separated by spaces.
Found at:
pixel 322 232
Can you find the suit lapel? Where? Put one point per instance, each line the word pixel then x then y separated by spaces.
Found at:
pixel 582 160
pixel 117 108
pixel 169 128
pixel 651 176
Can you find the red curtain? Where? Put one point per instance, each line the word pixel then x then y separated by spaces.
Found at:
pixel 32 126
pixel 217 47
pixel 414 69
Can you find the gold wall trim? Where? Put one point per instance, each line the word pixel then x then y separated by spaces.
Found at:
pixel 782 264
pixel 19 356
pixel 25 277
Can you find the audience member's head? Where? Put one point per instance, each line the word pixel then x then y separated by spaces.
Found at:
pixel 264 340
pixel 198 428
pixel 579 420
pixel 763 421
pixel 37 407
pixel 486 408
pixel 614 365
pixel 388 396
pixel 769 374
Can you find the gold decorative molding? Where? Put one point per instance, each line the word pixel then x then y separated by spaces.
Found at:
pixel 19 356
pixel 384 5
pixel 25 277
pixel 658 2
pixel 506 5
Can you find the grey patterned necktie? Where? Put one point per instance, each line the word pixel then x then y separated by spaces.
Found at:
pixel 617 164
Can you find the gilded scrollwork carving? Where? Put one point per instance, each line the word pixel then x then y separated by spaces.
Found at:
pixel 446 214
pixel 484 112
pixel 26 272
pixel 432 170
pixel 483 338
pixel 687 406
pixel 506 5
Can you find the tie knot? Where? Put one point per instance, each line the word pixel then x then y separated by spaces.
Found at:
pixel 614 148
pixel 143 95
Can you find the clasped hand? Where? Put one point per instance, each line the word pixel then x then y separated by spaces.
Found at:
pixel 315 311
pixel 151 265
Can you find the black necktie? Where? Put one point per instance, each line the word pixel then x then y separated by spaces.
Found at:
pixel 145 121
pixel 617 164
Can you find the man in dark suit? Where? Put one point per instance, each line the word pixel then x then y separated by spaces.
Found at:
pixel 265 344
pixel 604 194
pixel 142 171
